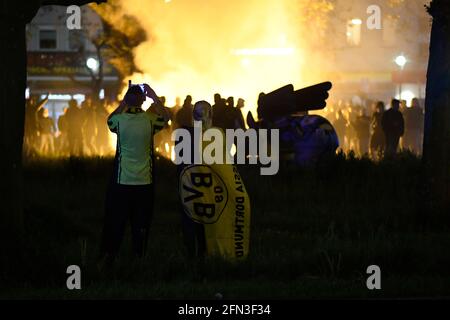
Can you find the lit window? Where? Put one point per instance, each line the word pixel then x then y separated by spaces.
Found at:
pixel 47 39
pixel 354 32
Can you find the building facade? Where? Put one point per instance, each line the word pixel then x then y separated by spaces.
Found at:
pixel 367 62
pixel 61 61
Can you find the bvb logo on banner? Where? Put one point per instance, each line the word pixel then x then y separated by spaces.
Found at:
pixel 203 193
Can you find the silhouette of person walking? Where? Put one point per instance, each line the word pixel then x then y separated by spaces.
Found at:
pixel 377 139
pixel 393 127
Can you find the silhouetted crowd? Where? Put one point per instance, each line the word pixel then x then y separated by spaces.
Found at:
pixel 226 113
pixel 80 131
pixel 374 130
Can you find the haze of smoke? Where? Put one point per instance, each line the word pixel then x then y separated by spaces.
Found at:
pixel 190 43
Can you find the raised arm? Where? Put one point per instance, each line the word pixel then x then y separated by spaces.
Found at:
pixel 42 102
pixel 157 107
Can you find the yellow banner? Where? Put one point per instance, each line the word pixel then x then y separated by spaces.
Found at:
pixel 215 196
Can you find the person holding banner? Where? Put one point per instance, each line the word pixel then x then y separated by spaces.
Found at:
pixel 130 192
pixel 215 204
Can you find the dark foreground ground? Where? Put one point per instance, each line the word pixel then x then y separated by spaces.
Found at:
pixel 314 233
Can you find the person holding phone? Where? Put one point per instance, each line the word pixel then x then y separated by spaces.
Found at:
pixel 130 192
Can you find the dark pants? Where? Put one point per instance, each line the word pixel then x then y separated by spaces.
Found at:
pixel 194 236
pixel 123 203
pixel 391 145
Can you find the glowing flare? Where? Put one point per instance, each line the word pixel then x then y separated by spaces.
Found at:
pixel 166 146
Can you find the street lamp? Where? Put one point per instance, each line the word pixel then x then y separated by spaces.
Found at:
pixel 401 62
pixel 92 64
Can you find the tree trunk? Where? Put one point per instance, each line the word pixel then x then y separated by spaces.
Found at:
pixel 436 154
pixel 14 15
pixel 12 109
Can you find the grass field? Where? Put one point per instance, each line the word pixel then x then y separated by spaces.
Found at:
pixel 313 234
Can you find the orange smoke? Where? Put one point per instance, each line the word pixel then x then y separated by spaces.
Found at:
pixel 236 48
